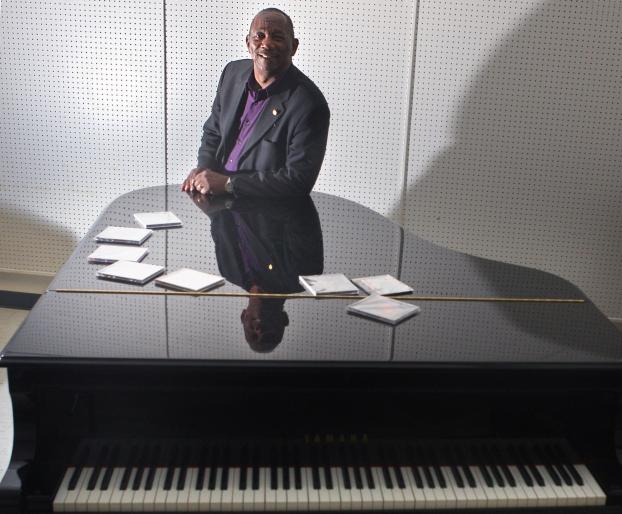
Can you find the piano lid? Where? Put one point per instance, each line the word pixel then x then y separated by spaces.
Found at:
pixel 262 246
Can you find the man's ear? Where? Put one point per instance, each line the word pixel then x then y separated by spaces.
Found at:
pixel 294 46
pixel 247 46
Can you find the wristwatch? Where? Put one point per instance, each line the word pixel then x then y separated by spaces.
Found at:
pixel 229 186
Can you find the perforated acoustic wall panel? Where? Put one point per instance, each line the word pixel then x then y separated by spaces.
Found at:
pixel 359 55
pixel 81 120
pixel 515 147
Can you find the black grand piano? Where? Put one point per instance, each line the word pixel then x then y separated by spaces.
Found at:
pixel 502 394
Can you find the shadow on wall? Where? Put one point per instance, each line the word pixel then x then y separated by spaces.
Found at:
pixel 533 171
pixel 32 243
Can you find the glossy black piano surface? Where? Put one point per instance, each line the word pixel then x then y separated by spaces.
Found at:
pixel 306 236
pixel 100 381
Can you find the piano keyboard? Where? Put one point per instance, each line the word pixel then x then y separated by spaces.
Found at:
pixel 150 477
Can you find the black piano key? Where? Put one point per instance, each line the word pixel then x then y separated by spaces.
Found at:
pixel 244 462
pixel 399 477
pixel 224 478
pixel 465 467
pixel 213 465
pixel 520 464
pixel 494 470
pixel 427 475
pixel 481 465
pixel 155 456
pixel 274 469
pixel 355 459
pixel 343 468
pixel 101 459
pixel 363 451
pixel 142 464
pixel 437 469
pixel 414 467
pixel 203 460
pixel 453 468
pixel 171 464
pixel 73 481
pixel 530 463
pixel 297 468
pixel 285 461
pixel 563 457
pixel 183 469
pixel 125 478
pixel 326 462
pixel 315 465
pixel 502 461
pixel 112 462
pixel 547 465
pixel 558 465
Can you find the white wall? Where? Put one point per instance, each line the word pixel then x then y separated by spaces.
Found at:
pixel 492 127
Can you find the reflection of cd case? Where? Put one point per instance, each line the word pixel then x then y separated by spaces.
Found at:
pixel 157 219
pixel 132 272
pixel 382 284
pixel 190 280
pixel 106 254
pixel 383 309
pixel 125 235
pixel 330 283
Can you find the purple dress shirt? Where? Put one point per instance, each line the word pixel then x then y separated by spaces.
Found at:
pixel 256 100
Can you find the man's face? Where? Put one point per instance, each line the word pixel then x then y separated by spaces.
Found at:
pixel 271 45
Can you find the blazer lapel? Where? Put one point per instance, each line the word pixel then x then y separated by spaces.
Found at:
pixel 272 112
pixel 231 119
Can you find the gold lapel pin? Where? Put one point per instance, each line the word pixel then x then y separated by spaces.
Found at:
pixel 275 112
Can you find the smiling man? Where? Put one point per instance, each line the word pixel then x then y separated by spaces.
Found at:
pixel 266 135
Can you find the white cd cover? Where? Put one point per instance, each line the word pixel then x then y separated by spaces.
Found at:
pixel 383 309
pixel 132 272
pixel 382 285
pixel 105 254
pixel 125 235
pixel 190 280
pixel 157 219
pixel 330 283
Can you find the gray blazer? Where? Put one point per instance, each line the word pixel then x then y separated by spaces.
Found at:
pixel 285 151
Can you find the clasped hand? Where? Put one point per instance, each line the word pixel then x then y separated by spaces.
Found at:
pixel 205 181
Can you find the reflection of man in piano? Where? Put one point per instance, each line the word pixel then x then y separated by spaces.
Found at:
pixel 263 247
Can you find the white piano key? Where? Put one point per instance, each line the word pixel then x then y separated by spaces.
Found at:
pixel 83 492
pixel 183 498
pixel 159 502
pixel 451 499
pixel 388 501
pixel 194 494
pixel 327 499
pixel 72 496
pixel 595 495
pixel 114 503
pixel 526 496
pixel 93 500
pixel 127 496
pixel 419 498
pixel 58 505
pixel 458 494
pixel 478 491
pixel 205 494
pixel 377 501
pixel 435 496
pixel 334 493
pixel 356 495
pixel 398 493
pixel 314 494
pixel 302 494
pixel 216 496
pixel 291 493
pixel 549 489
pixel 513 493
pixel 140 493
pixel 408 492
pixel 104 498
pixel 229 493
pixel 247 496
pixel 270 492
pixel 150 495
pixel 345 494
pixel 259 495
pixel 171 496
pixel 281 495
pixel 492 500
pixel 502 495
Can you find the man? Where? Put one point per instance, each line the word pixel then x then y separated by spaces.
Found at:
pixel 267 132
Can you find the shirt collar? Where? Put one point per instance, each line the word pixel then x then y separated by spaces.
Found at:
pixel 262 94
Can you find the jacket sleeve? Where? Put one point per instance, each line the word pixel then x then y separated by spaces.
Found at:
pixel 305 153
pixel 212 136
